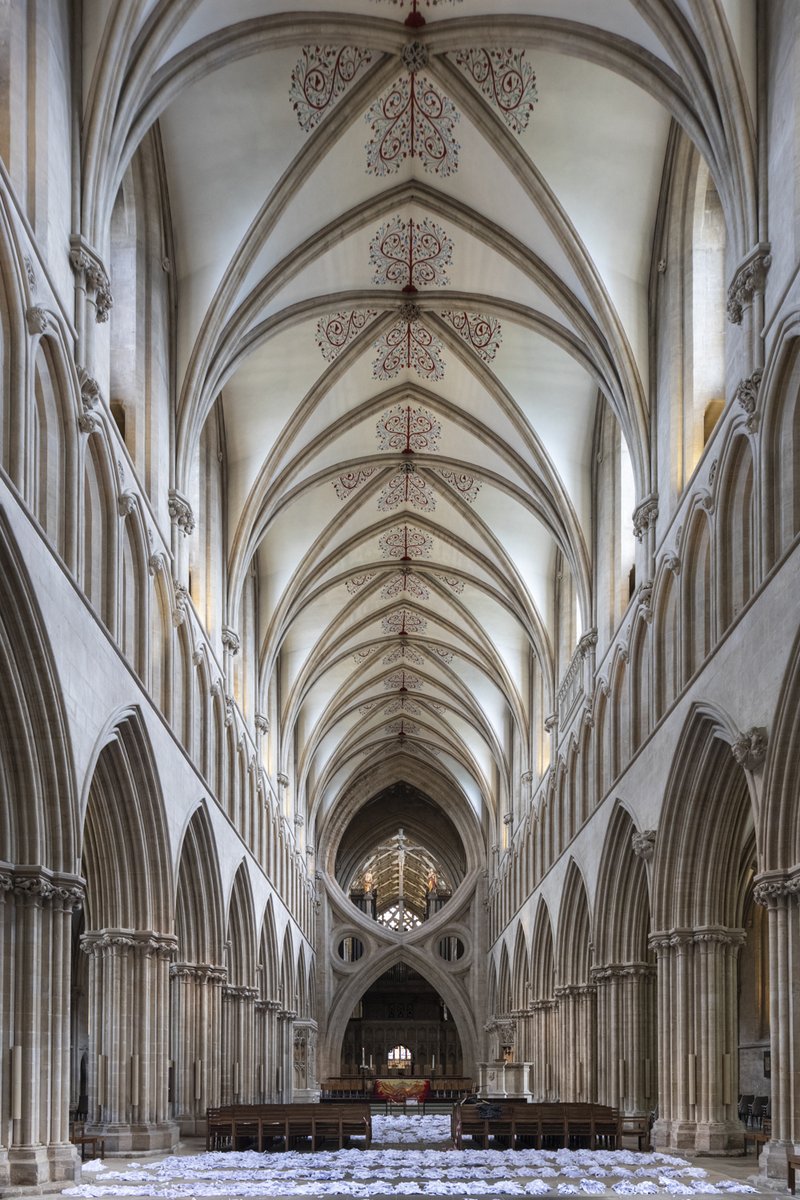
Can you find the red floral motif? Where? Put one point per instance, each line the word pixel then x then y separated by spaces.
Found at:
pixel 415 18
pixel 402 728
pixel 405 542
pixel 402 681
pixel 445 655
pixel 506 79
pixel 362 655
pixel 404 706
pixel 411 254
pixel 356 582
pixel 405 582
pixel 453 582
pixel 337 330
pixel 403 653
pixel 484 334
pixel 407 487
pixel 403 621
pixel 409 429
pixel 409 345
pixel 413 120
pixel 346 484
pixel 466 485
pixel 320 77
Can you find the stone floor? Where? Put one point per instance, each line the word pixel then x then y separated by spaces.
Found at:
pixel 410 1156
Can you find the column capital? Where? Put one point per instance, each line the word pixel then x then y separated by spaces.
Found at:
pixel 202 972
pixel 40 886
pixel 119 941
pixel 773 889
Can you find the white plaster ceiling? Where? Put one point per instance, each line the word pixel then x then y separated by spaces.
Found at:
pixel 551 228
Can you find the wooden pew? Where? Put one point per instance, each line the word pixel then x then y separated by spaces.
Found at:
pixel 514 1122
pixel 266 1125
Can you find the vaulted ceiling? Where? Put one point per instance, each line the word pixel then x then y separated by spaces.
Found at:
pixel 412 251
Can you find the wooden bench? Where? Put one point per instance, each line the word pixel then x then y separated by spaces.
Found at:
pixel 284 1125
pixel 515 1122
pixel 757 1136
pixel 792 1163
pixel 79 1137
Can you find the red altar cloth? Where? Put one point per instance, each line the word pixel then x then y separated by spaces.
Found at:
pixel 402 1089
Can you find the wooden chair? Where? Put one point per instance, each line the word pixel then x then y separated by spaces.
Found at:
pixel 79 1137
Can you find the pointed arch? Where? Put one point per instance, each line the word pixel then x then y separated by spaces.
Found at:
pixel 198 903
pixel 622 903
pixel 241 937
pixel 542 956
pixel 574 930
pixel 126 822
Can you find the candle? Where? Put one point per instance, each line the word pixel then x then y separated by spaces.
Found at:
pixel 370 1062
pixel 433 1061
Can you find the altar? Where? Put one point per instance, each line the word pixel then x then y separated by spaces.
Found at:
pixel 504 1081
pixel 399 1089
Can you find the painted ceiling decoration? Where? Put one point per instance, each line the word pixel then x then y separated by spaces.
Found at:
pixel 402 728
pixel 407 487
pixel 505 78
pixel 451 581
pixel 409 429
pixel 356 582
pixel 411 254
pixel 403 705
pixel 402 681
pixel 403 653
pixel 482 333
pixel 345 485
pixel 321 77
pixel 409 346
pixel 413 119
pixel 404 582
pixel 466 485
pixel 415 18
pixel 336 330
pixel 404 621
pixel 406 542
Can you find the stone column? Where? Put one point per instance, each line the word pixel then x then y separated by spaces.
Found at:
pixel 578 1041
pixel 286 1019
pixel 196 1018
pixel 129 1038
pixel 35 951
pixel 698 1039
pixel 626 1028
pixel 779 893
pixel 238 1042
pixel 543 1049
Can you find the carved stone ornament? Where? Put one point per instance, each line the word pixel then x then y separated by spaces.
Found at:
pixel 747 396
pixel 673 563
pixel 180 512
pixel 120 942
pixel 299 820
pixel 231 640
pixel 38 886
pixel 644 515
pixel 261 723
pixel 508 818
pixel 126 503
pixel 86 262
pixel 775 889
pixel 200 972
pixel 750 278
pixel 750 748
pixel 156 563
pixel 38 319
pixel 587 642
pixel 551 722
pixel 90 422
pixel 30 274
pixel 90 389
pixel 644 844
pixel 179 609
pixel 414 56
pixel 283 779
pixel 645 599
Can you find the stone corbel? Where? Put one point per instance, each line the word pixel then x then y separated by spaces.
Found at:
pixel 749 279
pixel 747 396
pixel 283 779
pixel 645 515
pixel 38 319
pixel 750 748
pixel 181 602
pixel 231 640
pixel 126 503
pixel 180 511
pixel 261 723
pixel 644 844
pixel 88 265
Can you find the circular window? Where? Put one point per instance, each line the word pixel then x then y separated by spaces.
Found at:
pixel 350 949
pixel 451 949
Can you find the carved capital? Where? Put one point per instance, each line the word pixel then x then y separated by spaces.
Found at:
pixel 749 279
pixel 644 844
pixel 201 972
pixel 645 515
pixel 774 888
pixel 180 512
pixel 90 389
pixel 750 748
pixel 231 640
